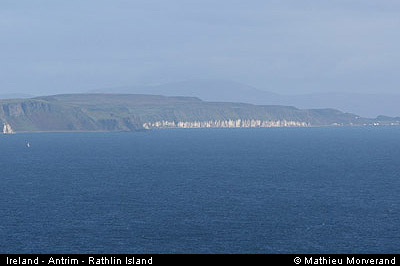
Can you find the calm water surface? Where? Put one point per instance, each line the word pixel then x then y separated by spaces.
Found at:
pixel 280 190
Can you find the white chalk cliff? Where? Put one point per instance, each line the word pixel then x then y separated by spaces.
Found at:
pixel 239 123
pixel 7 129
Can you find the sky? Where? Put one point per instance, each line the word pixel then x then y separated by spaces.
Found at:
pixel 282 46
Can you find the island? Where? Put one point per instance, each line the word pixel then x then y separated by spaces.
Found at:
pixel 132 112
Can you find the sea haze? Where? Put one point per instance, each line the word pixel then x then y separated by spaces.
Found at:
pixel 269 190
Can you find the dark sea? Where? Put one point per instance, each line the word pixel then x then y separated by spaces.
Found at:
pixel 277 190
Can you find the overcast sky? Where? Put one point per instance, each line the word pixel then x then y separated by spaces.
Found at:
pixel 283 46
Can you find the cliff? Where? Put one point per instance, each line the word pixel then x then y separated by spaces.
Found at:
pixel 35 115
pixel 127 112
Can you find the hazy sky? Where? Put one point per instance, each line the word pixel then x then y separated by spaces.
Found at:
pixel 281 46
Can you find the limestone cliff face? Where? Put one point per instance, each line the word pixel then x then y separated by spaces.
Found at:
pixel 38 115
pixel 238 123
pixel 7 129
pixel 35 115
pixel 17 109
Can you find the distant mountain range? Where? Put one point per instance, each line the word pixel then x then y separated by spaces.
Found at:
pixel 129 112
pixel 367 105
pixel 15 96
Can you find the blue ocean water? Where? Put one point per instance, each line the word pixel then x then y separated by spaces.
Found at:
pixel 279 190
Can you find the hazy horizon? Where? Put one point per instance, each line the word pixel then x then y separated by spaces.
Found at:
pixel 286 47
